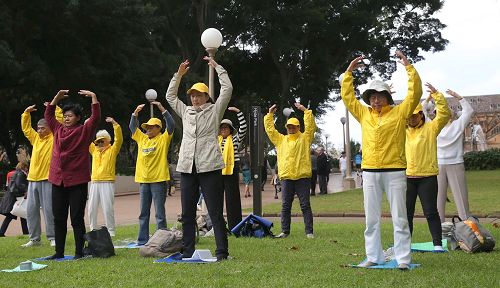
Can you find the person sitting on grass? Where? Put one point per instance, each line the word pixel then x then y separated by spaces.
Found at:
pixel 294 165
pixel 422 168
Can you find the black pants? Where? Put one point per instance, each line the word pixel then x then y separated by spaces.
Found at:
pixel 213 193
pixel 314 180
pixel 290 188
pixel 323 184
pixel 8 218
pixel 233 200
pixel 73 199
pixel 426 189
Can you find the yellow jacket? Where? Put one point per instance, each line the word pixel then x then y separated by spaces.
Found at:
pixel 294 161
pixel 42 150
pixel 152 164
pixel 383 135
pixel 104 162
pixel 421 142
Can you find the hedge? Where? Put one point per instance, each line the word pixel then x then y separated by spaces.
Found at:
pixel 482 160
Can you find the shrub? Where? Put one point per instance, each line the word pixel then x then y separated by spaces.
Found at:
pixel 482 160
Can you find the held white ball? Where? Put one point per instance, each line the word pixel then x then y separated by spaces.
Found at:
pixel 151 95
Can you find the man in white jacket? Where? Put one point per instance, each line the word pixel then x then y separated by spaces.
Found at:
pixel 450 152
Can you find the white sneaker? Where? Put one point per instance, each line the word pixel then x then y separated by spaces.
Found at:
pixel 281 235
pixel 367 264
pixel 32 243
pixel 52 243
pixel 310 236
pixel 403 266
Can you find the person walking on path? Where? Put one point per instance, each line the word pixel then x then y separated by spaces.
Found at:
pixel 384 164
pixel 245 170
pixel 151 169
pixel 314 167
pixel 229 144
pixel 102 185
pixel 294 165
pixel 70 167
pixel 450 151
pixel 200 158
pixel 39 188
pixel 17 186
pixel 422 167
pixel 323 171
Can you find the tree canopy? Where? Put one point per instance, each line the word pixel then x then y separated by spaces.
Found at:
pixel 276 51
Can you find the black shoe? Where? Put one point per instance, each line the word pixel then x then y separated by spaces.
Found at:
pixel 221 258
pixel 54 257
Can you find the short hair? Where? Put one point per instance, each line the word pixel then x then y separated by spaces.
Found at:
pixel 73 107
pixel 42 122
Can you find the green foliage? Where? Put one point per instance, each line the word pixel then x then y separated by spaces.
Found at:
pixel 482 160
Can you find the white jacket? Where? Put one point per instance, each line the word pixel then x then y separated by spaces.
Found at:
pixel 200 128
pixel 450 147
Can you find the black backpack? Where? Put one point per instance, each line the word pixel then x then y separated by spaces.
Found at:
pixel 99 243
pixel 18 184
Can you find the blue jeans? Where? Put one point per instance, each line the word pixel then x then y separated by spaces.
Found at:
pixel 151 192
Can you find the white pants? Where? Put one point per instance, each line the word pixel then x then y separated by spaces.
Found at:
pixel 394 185
pixel 453 175
pixel 102 193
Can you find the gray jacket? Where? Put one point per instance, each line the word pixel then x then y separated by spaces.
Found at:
pixel 200 128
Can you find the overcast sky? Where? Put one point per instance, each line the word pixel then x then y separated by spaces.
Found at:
pixel 470 64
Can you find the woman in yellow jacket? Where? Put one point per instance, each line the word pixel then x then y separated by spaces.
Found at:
pixel 102 185
pixel 422 168
pixel 294 165
pixel 384 163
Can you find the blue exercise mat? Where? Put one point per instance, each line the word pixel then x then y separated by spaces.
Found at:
pixel 177 258
pixel 66 258
pixel 34 267
pixel 131 245
pixel 429 247
pixel 393 264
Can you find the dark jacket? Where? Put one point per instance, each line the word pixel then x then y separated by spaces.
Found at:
pixel 323 168
pixel 20 181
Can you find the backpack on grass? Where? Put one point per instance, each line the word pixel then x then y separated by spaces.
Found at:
pixel 470 236
pixel 99 243
pixel 163 243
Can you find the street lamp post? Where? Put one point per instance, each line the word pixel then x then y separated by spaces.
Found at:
pixel 343 121
pixel 211 39
pixel 326 143
pixel 151 96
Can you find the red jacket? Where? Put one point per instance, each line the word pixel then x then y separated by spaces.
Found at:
pixel 70 164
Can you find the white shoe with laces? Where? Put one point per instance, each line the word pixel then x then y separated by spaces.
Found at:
pixel 310 236
pixel 52 243
pixel 32 243
pixel 281 235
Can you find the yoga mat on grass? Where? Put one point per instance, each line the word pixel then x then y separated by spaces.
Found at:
pixel 199 256
pixel 393 264
pixel 34 267
pixel 66 258
pixel 129 245
pixel 429 247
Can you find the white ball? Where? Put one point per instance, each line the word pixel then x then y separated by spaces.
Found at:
pixel 211 38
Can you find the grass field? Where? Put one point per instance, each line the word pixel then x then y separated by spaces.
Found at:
pixel 484 189
pixel 291 262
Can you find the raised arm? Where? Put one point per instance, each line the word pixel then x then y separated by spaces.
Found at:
pixel 467 110
pixel 177 105
pixel 347 90
pixel 242 129
pixel 94 119
pixel 414 87
pixel 170 123
pixel 273 134
pixel 442 110
pixel 226 88
pixel 134 122
pixel 50 109
pixel 28 130
pixel 117 130
pixel 309 123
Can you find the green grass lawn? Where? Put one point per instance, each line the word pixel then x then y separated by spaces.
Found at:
pixel 483 186
pixel 291 262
